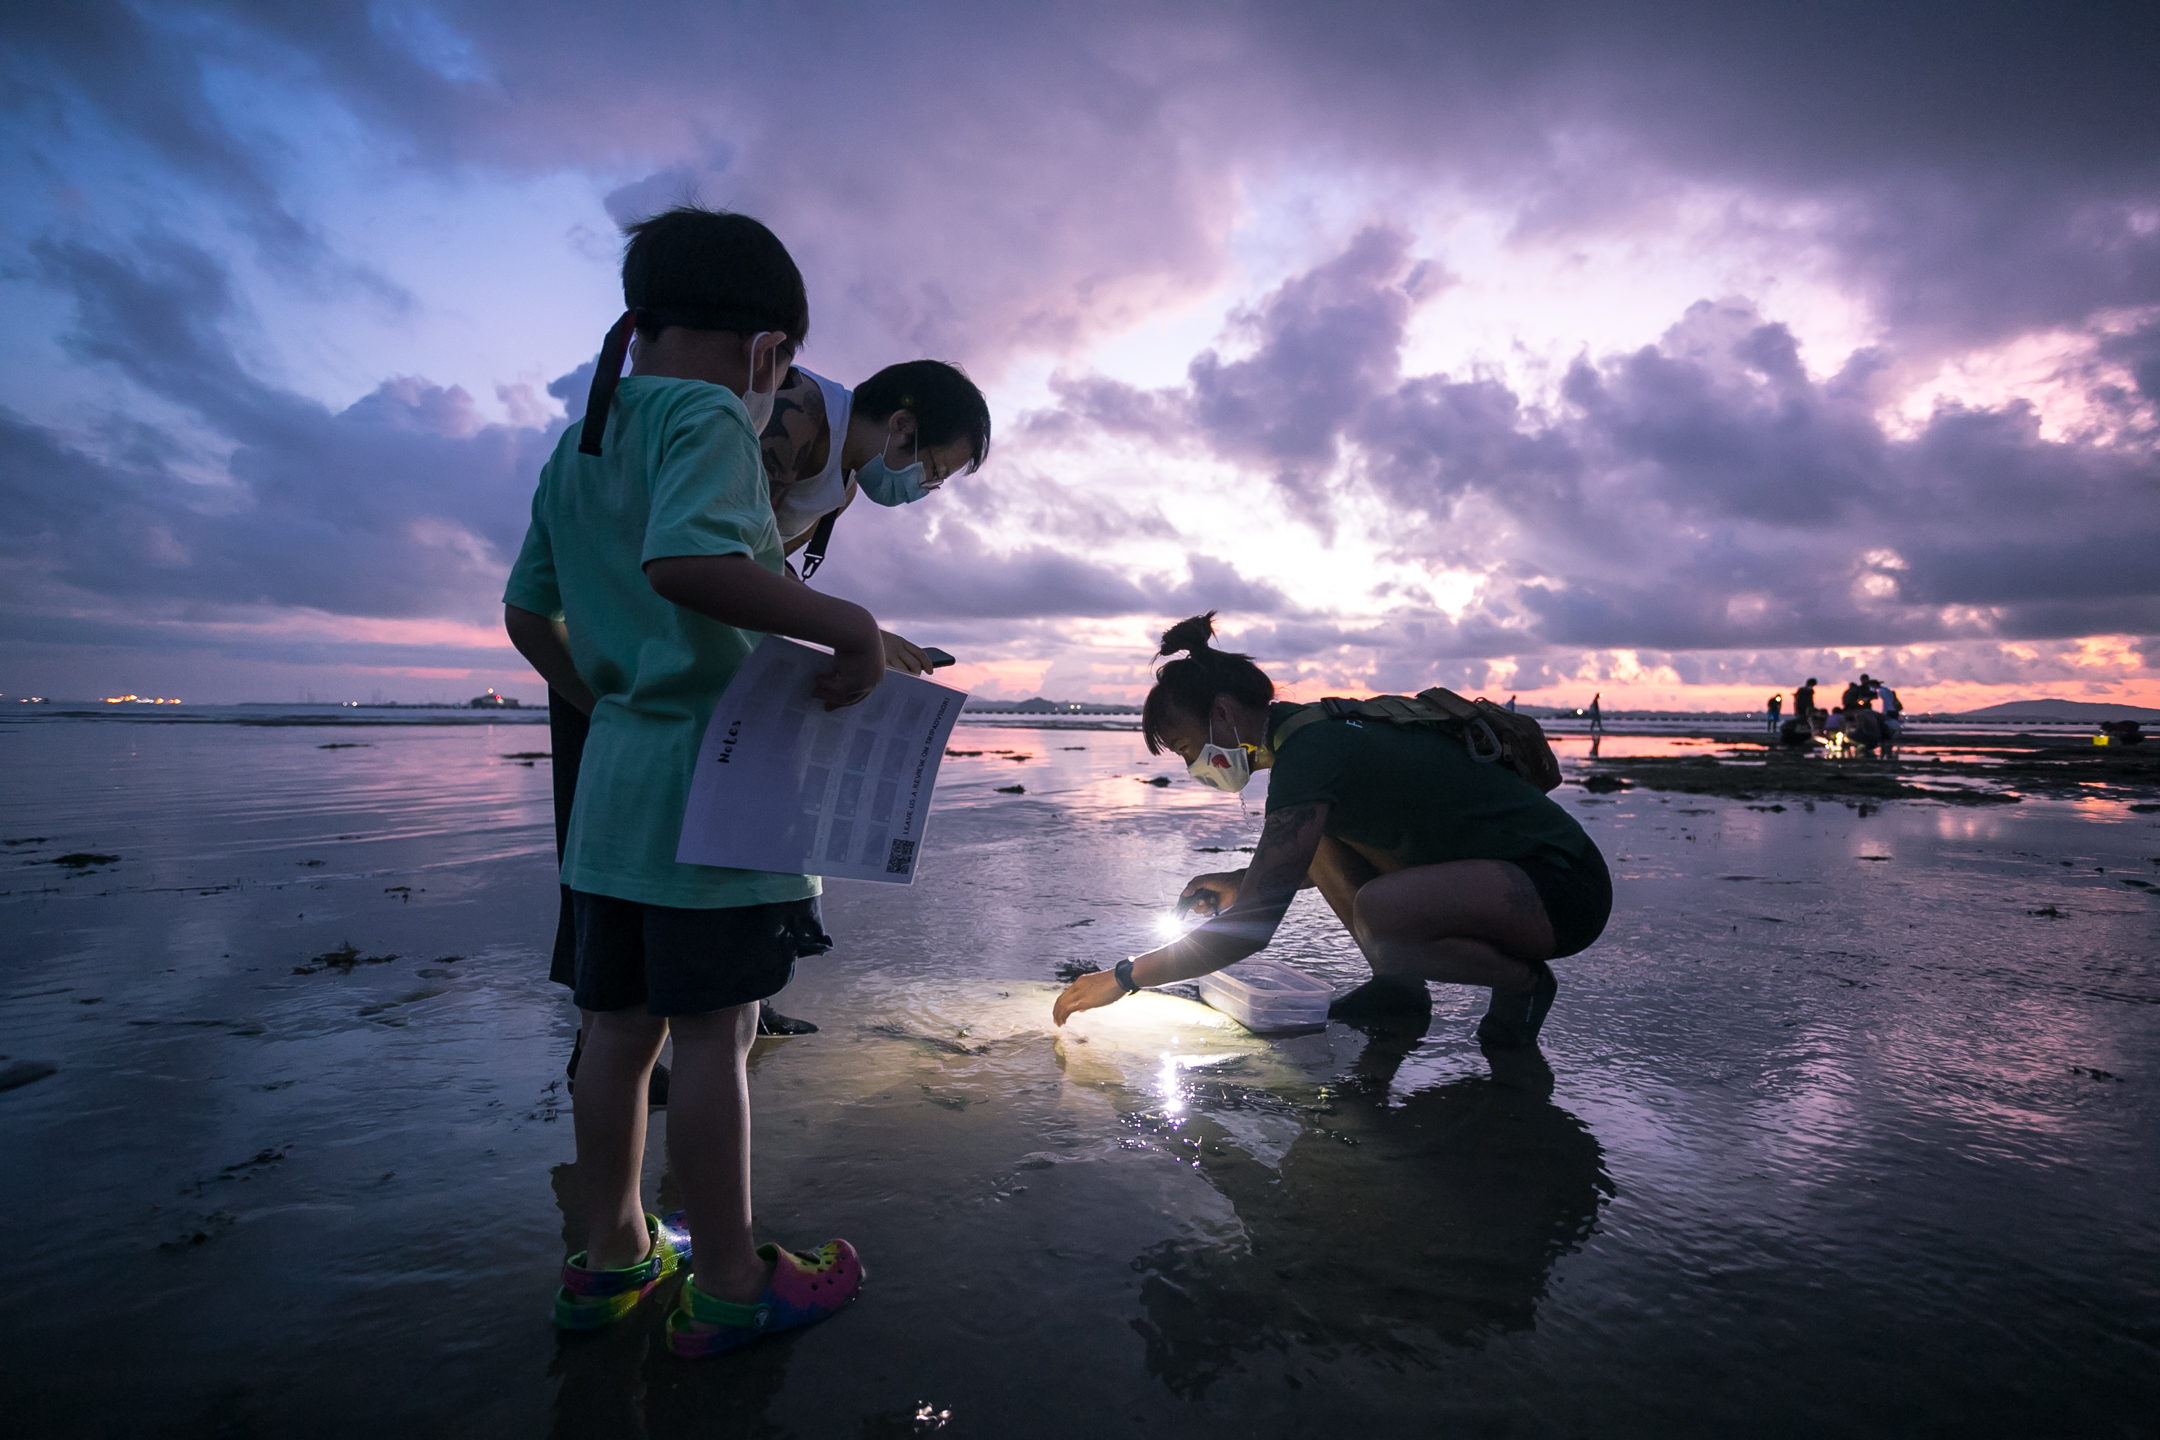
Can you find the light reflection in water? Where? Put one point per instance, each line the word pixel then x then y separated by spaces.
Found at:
pixel 1803 1114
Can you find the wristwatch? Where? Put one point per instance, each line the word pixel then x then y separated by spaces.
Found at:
pixel 1123 972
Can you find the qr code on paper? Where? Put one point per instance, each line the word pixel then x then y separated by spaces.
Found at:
pixel 902 858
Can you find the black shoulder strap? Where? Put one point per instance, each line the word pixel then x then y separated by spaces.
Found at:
pixel 814 553
pixel 1298 720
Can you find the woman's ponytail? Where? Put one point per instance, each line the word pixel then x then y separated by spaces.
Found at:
pixel 1189 686
pixel 1192 635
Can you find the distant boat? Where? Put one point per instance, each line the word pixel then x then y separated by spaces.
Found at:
pixel 492 701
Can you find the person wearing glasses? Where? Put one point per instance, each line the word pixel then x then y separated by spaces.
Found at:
pixel 896 438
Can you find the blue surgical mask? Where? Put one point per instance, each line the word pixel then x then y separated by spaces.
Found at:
pixel 888 486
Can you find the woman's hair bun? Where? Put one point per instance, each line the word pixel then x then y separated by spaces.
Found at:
pixel 1192 635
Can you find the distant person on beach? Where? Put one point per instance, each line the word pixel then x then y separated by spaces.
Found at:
pixel 1440 867
pixel 1798 733
pixel 1777 703
pixel 1597 716
pixel 651 566
pixel 1893 712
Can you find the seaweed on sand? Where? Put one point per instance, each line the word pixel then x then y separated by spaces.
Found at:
pixel 342 960
pixel 2007 775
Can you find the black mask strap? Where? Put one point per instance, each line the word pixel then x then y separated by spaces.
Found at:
pixel 606 374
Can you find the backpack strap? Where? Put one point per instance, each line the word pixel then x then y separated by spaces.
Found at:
pixel 1303 717
pixel 1491 735
pixel 1483 745
pixel 1478 734
pixel 814 553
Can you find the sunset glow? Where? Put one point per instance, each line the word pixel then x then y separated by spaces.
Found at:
pixel 1542 380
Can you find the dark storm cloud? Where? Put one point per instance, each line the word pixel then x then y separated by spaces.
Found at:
pixel 404 504
pixel 1703 492
pixel 938 567
pixel 967 180
pixel 976 182
pixel 150 86
pixel 407 504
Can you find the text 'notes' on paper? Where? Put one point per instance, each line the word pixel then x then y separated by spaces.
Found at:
pixel 783 784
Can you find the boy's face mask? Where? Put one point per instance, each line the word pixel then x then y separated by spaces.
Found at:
pixel 888 486
pixel 760 402
pixel 1219 769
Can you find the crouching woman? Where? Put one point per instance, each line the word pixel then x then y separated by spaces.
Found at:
pixel 1441 867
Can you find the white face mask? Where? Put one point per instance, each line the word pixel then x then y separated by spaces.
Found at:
pixel 760 402
pixel 1219 769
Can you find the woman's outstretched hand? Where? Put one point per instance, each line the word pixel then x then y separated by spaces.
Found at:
pixel 1210 894
pixel 1089 992
pixel 904 656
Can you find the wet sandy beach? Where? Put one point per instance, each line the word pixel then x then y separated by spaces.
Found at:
pixel 1849 1126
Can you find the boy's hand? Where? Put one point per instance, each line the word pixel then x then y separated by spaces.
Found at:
pixel 903 656
pixel 856 672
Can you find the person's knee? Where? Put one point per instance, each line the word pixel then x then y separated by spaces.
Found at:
pixel 1373 922
pixel 634 1024
pixel 731 1029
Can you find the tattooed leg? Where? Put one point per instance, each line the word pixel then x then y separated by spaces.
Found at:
pixel 1339 872
pixel 1468 922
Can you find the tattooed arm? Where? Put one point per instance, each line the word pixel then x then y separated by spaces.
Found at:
pixel 1288 843
pixel 796 441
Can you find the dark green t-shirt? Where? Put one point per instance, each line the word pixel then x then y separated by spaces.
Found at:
pixel 1414 793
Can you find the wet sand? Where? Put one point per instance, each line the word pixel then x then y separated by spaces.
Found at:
pixel 1849 1125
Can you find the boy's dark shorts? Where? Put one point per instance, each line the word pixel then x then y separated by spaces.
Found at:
pixel 686 962
pixel 1578 900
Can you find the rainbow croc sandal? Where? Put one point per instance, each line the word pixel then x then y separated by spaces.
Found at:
pixel 806 1287
pixel 590 1299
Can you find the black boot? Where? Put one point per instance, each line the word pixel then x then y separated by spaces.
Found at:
pixel 1512 1021
pixel 772 1022
pixel 1389 997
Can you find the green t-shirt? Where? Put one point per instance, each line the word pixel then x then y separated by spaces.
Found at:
pixel 1415 794
pixel 681 475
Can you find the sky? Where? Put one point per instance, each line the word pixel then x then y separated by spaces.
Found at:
pixel 1669 352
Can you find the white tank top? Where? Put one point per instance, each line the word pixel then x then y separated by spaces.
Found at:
pixel 809 500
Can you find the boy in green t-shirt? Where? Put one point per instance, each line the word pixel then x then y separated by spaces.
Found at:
pixel 652 551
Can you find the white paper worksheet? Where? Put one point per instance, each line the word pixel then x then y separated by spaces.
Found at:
pixel 784 784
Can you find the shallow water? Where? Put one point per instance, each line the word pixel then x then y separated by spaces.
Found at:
pixel 1838 1137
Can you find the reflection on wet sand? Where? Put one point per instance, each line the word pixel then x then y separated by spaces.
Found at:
pixel 1872 1079
pixel 1391 1224
pixel 1360 1222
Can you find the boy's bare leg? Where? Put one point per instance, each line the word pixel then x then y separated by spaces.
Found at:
pixel 656 1086
pixel 609 1114
pixel 709 1148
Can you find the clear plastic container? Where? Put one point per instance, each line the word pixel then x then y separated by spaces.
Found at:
pixel 1266 995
